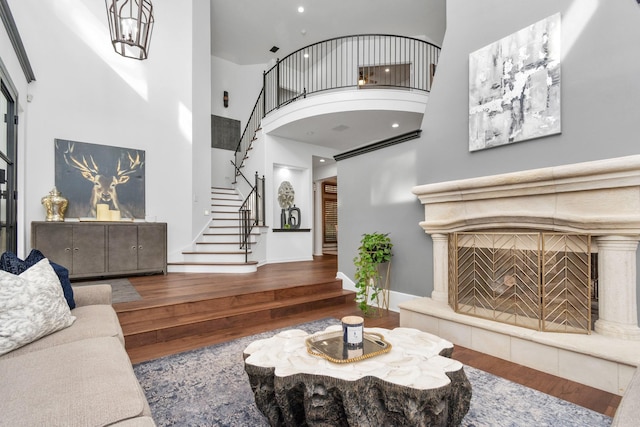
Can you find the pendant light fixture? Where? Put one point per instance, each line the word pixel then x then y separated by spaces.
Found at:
pixel 130 25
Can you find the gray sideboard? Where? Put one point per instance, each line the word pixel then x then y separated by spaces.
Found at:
pixel 99 249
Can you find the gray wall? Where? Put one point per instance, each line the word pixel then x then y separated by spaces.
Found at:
pixel 375 196
pixel 600 113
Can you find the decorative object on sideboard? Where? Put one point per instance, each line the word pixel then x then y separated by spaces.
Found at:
pixel 290 216
pixel 92 174
pixel 130 25
pixel 294 217
pixel 103 213
pixel 55 204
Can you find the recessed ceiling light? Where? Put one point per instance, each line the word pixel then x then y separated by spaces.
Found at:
pixel 300 9
pixel 321 160
pixel 395 125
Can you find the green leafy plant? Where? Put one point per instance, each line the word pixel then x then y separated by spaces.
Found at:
pixel 375 249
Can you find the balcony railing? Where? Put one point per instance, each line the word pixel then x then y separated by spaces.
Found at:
pixel 351 62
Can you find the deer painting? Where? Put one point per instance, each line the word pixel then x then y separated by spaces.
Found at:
pixel 107 176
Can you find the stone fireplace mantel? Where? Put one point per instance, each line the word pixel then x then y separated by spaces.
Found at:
pixel 599 198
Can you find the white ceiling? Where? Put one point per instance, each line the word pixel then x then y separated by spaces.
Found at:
pixel 243 31
pixel 344 131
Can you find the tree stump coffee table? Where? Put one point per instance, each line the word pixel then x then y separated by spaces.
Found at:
pixel 416 383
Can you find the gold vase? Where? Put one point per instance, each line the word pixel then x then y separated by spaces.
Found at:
pixel 56 205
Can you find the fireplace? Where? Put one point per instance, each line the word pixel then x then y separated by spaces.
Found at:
pixel 540 281
pixel 598 204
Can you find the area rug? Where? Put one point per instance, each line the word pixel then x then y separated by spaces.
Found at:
pixel 121 289
pixel 208 387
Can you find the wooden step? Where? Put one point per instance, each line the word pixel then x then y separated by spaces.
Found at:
pixel 171 329
pixel 213 267
pixel 225 298
pixel 161 323
pixel 223 190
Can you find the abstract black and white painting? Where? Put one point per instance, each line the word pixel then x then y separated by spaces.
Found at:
pixel 514 87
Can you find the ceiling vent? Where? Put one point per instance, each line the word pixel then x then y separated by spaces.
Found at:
pixel 274 49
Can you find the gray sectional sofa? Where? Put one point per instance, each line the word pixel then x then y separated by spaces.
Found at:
pixel 77 376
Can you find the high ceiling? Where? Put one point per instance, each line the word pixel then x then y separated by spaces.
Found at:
pixel 244 31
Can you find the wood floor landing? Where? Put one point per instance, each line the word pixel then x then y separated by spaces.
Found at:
pixel 183 311
pixel 180 311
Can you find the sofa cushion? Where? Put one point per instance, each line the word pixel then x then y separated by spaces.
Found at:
pixel 92 295
pixel 92 321
pixel 10 262
pixel 32 306
pixel 83 383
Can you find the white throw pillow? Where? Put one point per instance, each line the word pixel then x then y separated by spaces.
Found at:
pixel 32 305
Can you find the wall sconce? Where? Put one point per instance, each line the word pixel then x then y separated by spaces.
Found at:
pixel 225 99
pixel 130 25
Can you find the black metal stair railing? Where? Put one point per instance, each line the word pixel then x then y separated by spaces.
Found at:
pixel 249 133
pixel 360 61
pixel 252 212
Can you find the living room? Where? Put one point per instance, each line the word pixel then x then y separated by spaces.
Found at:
pixel 84 92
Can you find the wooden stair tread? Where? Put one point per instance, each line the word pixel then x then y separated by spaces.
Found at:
pixel 239 252
pixel 165 348
pixel 200 307
pixel 235 242
pixel 251 309
pixel 211 263
pixel 206 293
pixel 224 234
pixel 207 299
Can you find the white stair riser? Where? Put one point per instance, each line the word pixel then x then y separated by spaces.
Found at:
pixel 204 257
pixel 225 209
pixel 217 247
pixel 224 238
pixel 225 222
pixel 251 268
pixel 221 243
pixel 215 190
pixel 225 197
pixel 217 205
pixel 229 215
pixel 231 230
pixel 217 200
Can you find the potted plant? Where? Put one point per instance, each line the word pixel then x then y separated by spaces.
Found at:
pixel 374 251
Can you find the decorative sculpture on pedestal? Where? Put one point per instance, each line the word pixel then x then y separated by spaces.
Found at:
pixel 290 216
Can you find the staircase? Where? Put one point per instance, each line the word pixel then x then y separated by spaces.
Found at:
pixel 233 312
pixel 217 249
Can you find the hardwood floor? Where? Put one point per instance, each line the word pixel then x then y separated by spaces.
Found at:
pixel 188 290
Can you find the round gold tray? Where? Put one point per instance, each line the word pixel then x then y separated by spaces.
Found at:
pixel 331 346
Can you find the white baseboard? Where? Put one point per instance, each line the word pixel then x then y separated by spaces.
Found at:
pixel 395 298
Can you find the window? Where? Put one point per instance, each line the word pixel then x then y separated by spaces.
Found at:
pixel 330 212
pixel 8 185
